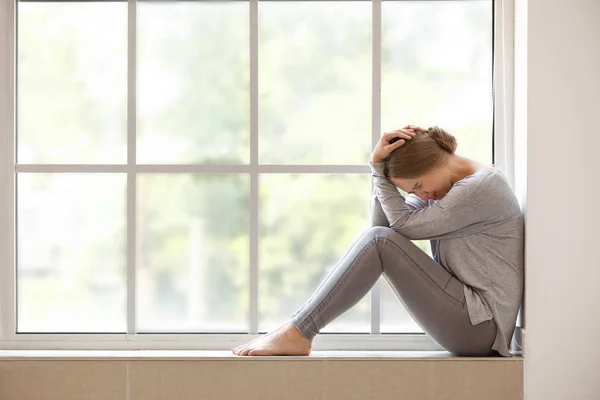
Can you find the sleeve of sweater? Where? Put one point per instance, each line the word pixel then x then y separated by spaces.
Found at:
pixel 458 214
pixel 378 217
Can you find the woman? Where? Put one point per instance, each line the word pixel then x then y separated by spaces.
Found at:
pixel 467 297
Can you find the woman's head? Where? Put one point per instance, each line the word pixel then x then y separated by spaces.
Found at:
pixel 420 166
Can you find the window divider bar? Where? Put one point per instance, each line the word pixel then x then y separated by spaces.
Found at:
pixel 191 168
pixel 254 169
pixel 7 169
pixel 376 129
pixel 131 163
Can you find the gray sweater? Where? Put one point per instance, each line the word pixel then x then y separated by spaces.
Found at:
pixel 476 234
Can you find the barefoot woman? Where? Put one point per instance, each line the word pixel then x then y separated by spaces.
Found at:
pixel 467 297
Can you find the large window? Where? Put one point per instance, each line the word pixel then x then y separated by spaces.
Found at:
pixel 197 167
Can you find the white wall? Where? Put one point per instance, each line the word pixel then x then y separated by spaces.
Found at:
pixel 562 126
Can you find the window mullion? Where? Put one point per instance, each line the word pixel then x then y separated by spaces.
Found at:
pixel 7 170
pixel 254 169
pixel 131 162
pixel 376 128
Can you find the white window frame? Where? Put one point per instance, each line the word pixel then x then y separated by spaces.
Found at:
pixel 503 134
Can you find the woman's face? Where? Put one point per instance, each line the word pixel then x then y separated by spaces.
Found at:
pixel 432 186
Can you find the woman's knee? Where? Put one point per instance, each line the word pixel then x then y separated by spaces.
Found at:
pixel 384 232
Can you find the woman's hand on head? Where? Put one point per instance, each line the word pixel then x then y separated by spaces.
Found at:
pixel 415 128
pixel 384 148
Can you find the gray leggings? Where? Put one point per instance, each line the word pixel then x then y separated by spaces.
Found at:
pixel 433 296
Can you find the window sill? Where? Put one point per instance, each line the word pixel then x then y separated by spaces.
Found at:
pixel 206 374
pixel 222 355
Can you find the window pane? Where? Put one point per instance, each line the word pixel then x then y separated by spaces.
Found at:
pixel 315 82
pixel 72 82
pixel 71 253
pixel 193 252
pixel 193 82
pixel 437 70
pixel 307 222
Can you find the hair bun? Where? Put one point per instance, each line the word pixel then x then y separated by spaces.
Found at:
pixel 445 140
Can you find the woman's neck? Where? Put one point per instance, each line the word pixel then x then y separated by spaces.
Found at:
pixel 460 167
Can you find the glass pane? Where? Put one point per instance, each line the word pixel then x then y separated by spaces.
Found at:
pixel 72 82
pixel 193 82
pixel 437 70
pixel 315 82
pixel 395 318
pixel 307 222
pixel 71 242
pixel 193 252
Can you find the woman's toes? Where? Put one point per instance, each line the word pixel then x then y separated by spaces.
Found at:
pixel 258 352
pixel 245 352
pixel 245 345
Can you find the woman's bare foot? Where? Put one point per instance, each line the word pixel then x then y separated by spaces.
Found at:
pixel 284 341
pixel 239 348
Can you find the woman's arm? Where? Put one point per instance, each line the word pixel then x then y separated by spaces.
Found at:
pixel 378 217
pixel 461 212
pixel 381 152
